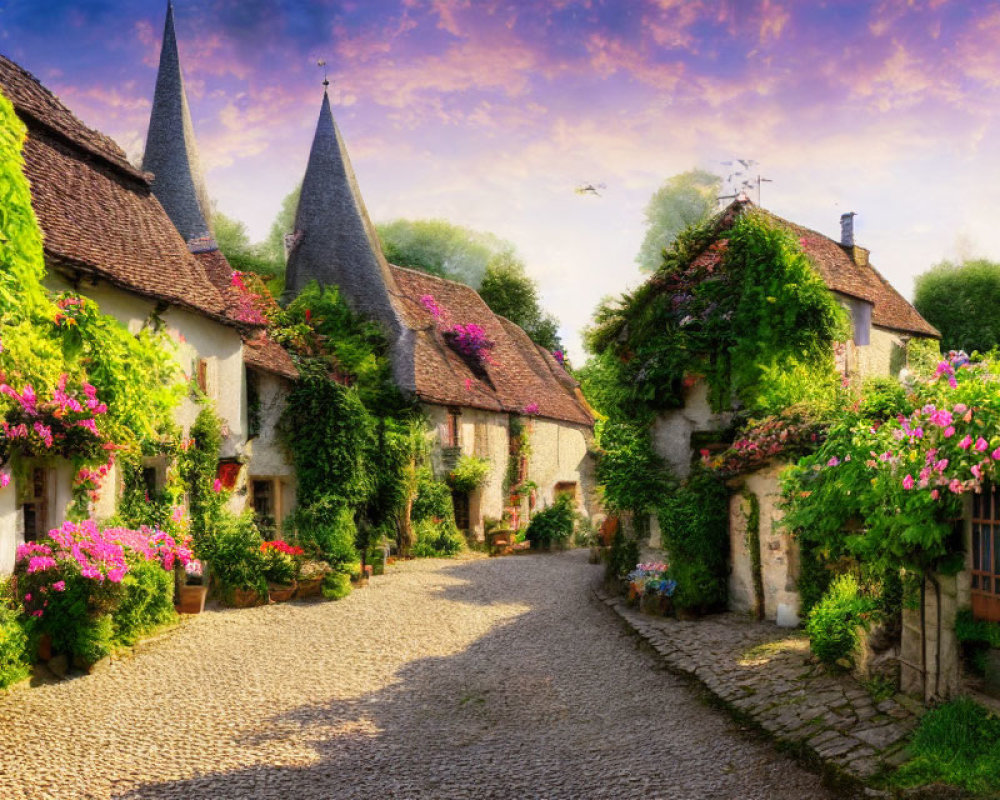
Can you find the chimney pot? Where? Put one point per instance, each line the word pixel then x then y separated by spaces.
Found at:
pixel 847 228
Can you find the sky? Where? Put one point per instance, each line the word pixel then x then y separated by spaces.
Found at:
pixel 489 114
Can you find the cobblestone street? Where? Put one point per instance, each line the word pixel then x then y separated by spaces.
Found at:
pixel 474 678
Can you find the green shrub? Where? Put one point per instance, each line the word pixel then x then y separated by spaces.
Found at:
pixel 694 530
pixel 553 525
pixel 14 659
pixel 233 553
pixel 624 555
pixel 433 498
pixel 336 585
pixel 93 639
pixel 436 539
pixel 147 602
pixel 957 743
pixel 834 620
pixel 469 474
pixel 326 529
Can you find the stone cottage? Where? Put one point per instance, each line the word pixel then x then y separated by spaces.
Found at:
pixel 171 155
pixel 472 406
pixel 883 325
pixel 107 237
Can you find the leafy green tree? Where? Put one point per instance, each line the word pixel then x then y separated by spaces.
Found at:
pixel 509 292
pixel 960 300
pixel 440 248
pixel 682 200
pixel 480 260
pixel 273 247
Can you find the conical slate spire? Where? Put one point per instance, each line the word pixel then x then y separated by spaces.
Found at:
pixel 334 240
pixel 171 153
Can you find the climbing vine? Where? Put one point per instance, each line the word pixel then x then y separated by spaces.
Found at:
pixel 743 308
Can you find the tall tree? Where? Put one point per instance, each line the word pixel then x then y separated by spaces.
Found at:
pixel 961 301
pixel 273 247
pixel 509 292
pixel 682 200
pixel 440 248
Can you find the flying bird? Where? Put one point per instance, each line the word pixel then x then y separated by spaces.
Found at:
pixel 590 188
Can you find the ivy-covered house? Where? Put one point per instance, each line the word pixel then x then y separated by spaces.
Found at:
pixel 752 323
pixel 107 237
pixel 486 389
pixel 171 154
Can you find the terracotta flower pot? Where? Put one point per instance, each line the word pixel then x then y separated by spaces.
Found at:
pixel 191 599
pixel 309 587
pixel 245 598
pixel 280 594
pixel 44 647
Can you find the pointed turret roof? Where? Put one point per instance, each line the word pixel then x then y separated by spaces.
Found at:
pixel 334 240
pixel 171 153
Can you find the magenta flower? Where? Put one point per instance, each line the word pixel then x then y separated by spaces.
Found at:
pixel 955 486
pixel 949 432
pixel 981 444
pixel 217 486
pixel 996 454
pixel 908 482
pixel 428 302
pixel 941 418
pixel 941 465
pixel 833 462
pixel 935 494
pixel 58 586
pixel 966 442
pixel 977 471
pixel 4 479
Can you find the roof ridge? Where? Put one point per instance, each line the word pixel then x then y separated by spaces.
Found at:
pixel 108 150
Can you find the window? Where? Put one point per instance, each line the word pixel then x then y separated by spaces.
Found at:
pixel 35 507
pixel 454 429
pixel 203 375
pixel 265 494
pixel 985 556
pixel 149 480
pixel 861 315
pixel 460 500
pixel 567 488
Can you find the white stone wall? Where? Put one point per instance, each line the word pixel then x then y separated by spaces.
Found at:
pixel 778 551
pixel 883 357
pixel 267 455
pixel 195 337
pixel 672 429
pixel 560 453
pixel 483 434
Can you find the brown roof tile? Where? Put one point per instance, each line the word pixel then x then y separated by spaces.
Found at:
pixel 263 353
pixel 519 373
pixel 840 272
pixel 96 212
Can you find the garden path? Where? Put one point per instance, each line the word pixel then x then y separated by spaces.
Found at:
pixel 471 678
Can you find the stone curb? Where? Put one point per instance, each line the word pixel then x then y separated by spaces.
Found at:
pixel 849 761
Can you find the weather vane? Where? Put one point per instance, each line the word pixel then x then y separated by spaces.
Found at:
pixel 322 63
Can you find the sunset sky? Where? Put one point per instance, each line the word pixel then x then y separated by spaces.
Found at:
pixel 489 114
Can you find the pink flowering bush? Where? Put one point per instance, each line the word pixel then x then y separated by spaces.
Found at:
pixel 90 589
pixel 886 489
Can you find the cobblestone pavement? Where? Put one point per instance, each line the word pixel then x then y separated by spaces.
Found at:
pixel 766 675
pixel 477 678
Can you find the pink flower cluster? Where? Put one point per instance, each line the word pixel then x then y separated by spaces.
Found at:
pixel 38 426
pixel 531 409
pixel 82 548
pixel 249 305
pixel 428 302
pixel 471 341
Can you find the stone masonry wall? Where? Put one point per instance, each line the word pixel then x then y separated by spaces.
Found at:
pixel 672 430
pixel 778 551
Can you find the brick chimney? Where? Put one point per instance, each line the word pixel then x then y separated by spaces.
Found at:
pixel 847 228
pixel 858 254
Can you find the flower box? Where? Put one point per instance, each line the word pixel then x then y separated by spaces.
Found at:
pixel 309 587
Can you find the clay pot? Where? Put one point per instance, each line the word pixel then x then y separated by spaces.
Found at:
pixel 191 599
pixel 280 594
pixel 245 598
pixel 309 587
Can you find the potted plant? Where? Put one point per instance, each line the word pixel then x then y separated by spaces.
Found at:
pixel 192 591
pixel 280 568
pixel 309 582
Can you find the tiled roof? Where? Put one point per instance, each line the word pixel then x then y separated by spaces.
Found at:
pixel 263 353
pixel 842 274
pixel 259 351
pixel 520 375
pixel 96 212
